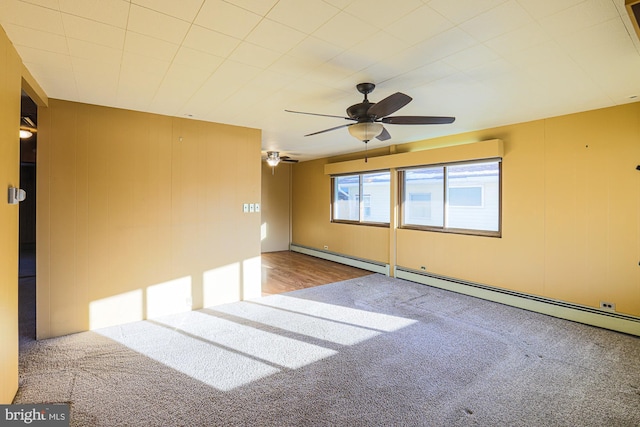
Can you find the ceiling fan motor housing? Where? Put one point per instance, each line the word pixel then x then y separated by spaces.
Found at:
pixel 359 111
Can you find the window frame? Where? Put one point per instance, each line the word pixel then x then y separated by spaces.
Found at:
pixel 360 221
pixel 444 229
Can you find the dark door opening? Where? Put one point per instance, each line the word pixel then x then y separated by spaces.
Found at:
pixel 27 221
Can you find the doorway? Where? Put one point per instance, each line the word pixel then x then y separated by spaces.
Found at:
pixel 27 221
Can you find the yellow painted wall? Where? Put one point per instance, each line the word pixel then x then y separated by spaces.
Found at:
pixel 311 218
pixel 570 213
pixel 275 229
pixel 139 217
pixel 10 82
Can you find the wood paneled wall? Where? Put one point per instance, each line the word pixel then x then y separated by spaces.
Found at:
pixel 10 86
pixel 141 215
pixel 275 228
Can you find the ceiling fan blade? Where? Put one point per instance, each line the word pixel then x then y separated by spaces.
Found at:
pixel 389 105
pixel 417 120
pixel 288 159
pixel 384 135
pixel 317 114
pixel 330 129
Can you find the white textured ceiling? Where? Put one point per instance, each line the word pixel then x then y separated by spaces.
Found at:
pixel 243 62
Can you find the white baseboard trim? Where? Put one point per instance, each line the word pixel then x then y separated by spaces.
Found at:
pixel 374 266
pixel 574 312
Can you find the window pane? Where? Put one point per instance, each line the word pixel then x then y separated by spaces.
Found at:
pixel 376 197
pixel 346 198
pixel 424 197
pixel 465 196
pixel 473 196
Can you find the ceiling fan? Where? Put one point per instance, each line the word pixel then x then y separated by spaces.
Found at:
pixel 369 116
pixel 27 127
pixel 274 157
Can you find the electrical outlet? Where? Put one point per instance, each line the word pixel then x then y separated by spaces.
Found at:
pixel 326 246
pixel 607 306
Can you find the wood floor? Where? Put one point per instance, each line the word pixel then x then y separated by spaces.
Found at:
pixel 287 271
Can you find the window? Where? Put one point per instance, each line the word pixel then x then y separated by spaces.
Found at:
pixel 361 198
pixel 461 197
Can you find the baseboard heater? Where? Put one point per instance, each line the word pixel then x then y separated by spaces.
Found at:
pixel 575 312
pixel 365 264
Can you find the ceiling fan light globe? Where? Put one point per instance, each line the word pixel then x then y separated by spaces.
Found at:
pixel 273 162
pixel 365 131
pixel 273 158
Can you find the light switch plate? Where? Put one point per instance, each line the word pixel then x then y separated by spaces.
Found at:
pixel 252 207
pixel 245 208
pixel 257 207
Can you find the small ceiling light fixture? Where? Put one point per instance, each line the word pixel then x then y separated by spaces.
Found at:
pixel 273 158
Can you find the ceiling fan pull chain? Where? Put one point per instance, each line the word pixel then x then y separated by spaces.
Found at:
pixel 365 152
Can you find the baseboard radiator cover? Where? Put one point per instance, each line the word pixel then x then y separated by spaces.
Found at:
pixel 564 310
pixel 365 264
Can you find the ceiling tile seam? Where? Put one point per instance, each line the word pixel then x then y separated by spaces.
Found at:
pixel 122 52
pixel 92 20
pixel 172 61
pixel 43 50
pixel 534 19
pixel 376 26
pixel 32 28
pixel 182 107
pixel 453 25
pixel 501 34
pixel 252 11
pixel 195 92
pixel 165 14
pixel 548 15
pixel 573 31
pixel 628 25
pixel 41 5
pixel 73 68
pixel 433 61
pixel 360 70
pixel 337 7
pixel 586 71
pixel 473 16
pixel 287 53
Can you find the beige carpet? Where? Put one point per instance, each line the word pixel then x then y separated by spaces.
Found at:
pixel 372 351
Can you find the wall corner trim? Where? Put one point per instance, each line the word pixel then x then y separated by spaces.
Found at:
pixel 33 89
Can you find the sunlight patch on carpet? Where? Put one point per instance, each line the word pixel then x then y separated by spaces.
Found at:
pixel 232 345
